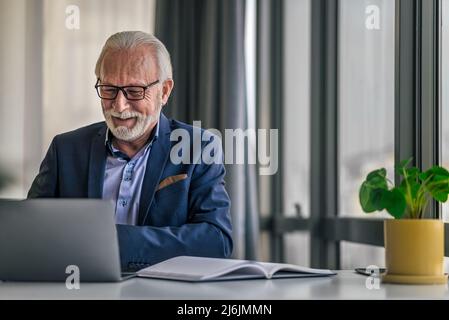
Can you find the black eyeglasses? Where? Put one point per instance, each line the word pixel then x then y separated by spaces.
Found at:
pixel 109 92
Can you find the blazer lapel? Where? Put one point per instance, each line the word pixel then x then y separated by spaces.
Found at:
pixel 159 153
pixel 97 163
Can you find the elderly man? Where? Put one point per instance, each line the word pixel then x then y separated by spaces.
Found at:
pixel 163 209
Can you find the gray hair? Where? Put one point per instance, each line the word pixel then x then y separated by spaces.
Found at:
pixel 132 39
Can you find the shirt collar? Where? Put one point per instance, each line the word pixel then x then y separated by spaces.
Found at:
pixel 117 153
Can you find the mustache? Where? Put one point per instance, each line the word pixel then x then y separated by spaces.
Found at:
pixel 125 114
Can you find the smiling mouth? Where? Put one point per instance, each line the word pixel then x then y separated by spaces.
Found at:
pixel 124 122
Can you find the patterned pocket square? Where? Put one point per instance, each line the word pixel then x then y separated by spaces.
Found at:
pixel 169 180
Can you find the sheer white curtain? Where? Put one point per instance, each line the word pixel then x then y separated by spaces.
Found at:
pixel 47 78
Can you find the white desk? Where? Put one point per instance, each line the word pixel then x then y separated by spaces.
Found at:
pixel 345 285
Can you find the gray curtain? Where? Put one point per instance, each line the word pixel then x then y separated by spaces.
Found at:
pixel 206 41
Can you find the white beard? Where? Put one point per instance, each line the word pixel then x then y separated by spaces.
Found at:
pixel 125 133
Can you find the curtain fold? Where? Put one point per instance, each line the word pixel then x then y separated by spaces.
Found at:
pixel 206 41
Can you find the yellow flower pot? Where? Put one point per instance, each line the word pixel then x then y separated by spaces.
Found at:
pixel 414 251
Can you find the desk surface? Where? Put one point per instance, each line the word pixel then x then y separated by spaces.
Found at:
pixel 345 285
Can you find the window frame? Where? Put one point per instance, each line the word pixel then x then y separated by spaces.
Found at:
pixel 417 124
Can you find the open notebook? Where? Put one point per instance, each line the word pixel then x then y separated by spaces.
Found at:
pixel 188 268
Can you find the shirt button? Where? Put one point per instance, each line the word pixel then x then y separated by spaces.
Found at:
pixel 123 203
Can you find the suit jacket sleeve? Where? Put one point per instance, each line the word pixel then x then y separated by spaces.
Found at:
pixel 45 183
pixel 207 233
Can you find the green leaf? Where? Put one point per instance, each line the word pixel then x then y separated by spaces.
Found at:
pixel 365 197
pixel 376 174
pixel 377 183
pixel 437 182
pixel 394 201
pixel 405 163
pixel 370 192
pixel 414 187
pixel 439 188
pixel 402 166
pixel 434 173
pixel 440 171
pixel 440 196
pixel 412 173
pixel 376 199
pixel 377 179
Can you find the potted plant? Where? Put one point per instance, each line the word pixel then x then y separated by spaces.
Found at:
pixel 414 244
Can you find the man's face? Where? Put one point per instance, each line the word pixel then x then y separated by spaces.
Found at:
pixel 127 119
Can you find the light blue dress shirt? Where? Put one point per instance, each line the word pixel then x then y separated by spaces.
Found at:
pixel 123 179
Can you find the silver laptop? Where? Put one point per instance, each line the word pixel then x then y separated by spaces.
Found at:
pixel 41 238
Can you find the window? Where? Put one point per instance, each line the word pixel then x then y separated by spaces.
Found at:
pixel 445 94
pixel 296 119
pixel 445 102
pixel 366 108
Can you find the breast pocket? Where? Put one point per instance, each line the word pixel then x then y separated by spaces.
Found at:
pixel 178 188
pixel 171 205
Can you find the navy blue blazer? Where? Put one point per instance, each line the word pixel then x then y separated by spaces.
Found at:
pixel 188 217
